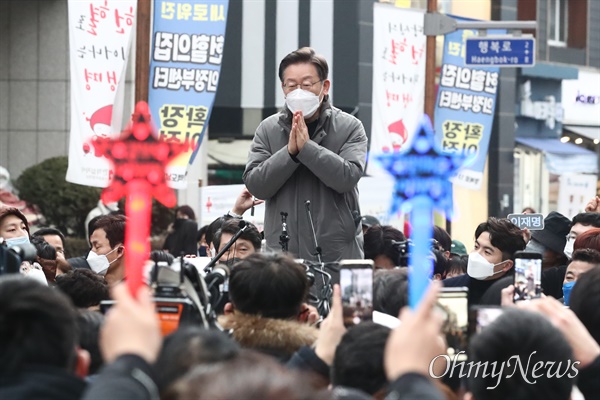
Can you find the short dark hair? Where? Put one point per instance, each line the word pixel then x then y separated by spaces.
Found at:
pixel 305 55
pixel 84 287
pixel 89 323
pixel 202 232
pixel 270 285
pixel 249 375
pixel 232 226
pixel 442 237
pixel 457 264
pixel 188 347
pixel 114 226
pixel 504 235
pixel 91 226
pixel 49 231
pixel 378 241
pixel 510 335
pixel 358 361
pixel 214 226
pixel 587 219
pixel 390 291
pixel 585 299
pixel 589 239
pixel 37 326
pixel 5 211
pixel 187 210
pixel 591 256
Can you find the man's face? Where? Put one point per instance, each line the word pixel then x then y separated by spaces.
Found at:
pixel 578 229
pixel 241 249
pixel 484 246
pixel 304 76
pixel 56 242
pixel 575 269
pixel 12 226
pixel 101 245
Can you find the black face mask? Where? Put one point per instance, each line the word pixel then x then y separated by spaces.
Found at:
pixel 230 262
pixel 203 251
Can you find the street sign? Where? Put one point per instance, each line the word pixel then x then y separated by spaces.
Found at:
pixel 500 51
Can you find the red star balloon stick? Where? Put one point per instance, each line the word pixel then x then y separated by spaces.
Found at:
pixel 139 163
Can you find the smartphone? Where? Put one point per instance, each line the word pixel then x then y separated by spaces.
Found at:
pixel 528 275
pixel 356 284
pixel 482 316
pixel 453 304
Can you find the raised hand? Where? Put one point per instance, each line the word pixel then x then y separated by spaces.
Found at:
pixel 292 146
pixel 244 201
pixel 302 130
pixel 332 329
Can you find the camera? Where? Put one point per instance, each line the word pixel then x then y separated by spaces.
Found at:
pixel 12 257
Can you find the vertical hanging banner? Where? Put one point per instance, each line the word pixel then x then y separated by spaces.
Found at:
pixel 99 41
pixel 464 110
pixel 186 54
pixel 398 78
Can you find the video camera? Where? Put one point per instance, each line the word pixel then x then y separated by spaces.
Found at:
pixel 181 296
pixel 12 257
pixel 403 248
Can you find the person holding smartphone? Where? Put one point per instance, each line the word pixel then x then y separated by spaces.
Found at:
pixel 496 240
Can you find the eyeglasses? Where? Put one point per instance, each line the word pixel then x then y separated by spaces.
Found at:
pixel 288 87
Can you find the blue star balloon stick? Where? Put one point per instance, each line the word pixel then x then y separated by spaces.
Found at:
pixel 422 184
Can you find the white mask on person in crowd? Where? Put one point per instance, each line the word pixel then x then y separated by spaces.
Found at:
pixel 479 268
pixel 18 241
pixel 99 262
pixel 303 100
pixel 569 248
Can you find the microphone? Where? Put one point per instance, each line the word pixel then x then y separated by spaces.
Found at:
pixel 312 227
pixel 243 226
pixel 284 238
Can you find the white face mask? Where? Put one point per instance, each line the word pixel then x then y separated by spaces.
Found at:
pixel 303 100
pixel 99 263
pixel 479 268
pixel 569 248
pixel 18 241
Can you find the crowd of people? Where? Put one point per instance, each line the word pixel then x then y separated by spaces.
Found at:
pixel 272 327
pixel 269 340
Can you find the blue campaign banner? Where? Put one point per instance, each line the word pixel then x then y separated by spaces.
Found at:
pixel 464 110
pixel 185 63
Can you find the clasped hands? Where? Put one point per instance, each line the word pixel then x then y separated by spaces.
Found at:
pixel 298 134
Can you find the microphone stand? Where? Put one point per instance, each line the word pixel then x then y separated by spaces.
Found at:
pixel 325 301
pixel 243 226
pixel 314 235
pixel 284 238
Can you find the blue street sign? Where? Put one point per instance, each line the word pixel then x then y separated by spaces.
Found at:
pixel 500 51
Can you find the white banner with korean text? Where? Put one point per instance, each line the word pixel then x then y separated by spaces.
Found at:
pixel 375 199
pixel 99 42
pixel 398 78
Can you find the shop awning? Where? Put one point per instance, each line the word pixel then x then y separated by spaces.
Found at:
pixel 590 132
pixel 233 152
pixel 562 157
pixel 553 146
